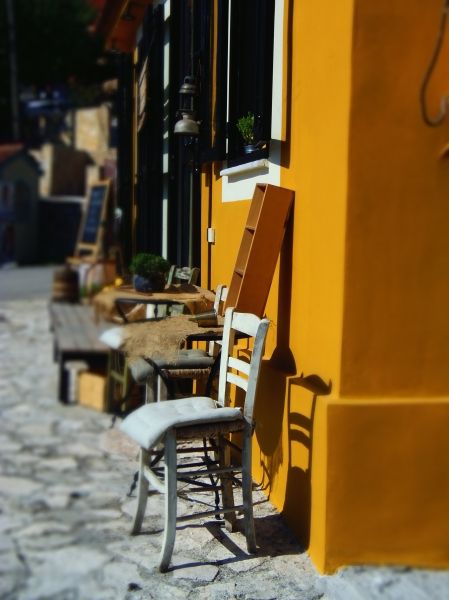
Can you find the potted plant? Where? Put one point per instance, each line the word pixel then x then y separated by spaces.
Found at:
pixel 149 272
pixel 245 126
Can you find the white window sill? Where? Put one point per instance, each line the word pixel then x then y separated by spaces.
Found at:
pixel 255 165
pixel 238 182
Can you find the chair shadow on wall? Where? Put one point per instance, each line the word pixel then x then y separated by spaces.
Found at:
pixel 301 417
pixel 269 415
pixel 274 537
pixel 279 375
pixel 294 449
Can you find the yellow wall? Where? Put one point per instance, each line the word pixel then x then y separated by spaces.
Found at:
pixel 315 166
pixel 228 221
pixel 388 487
pixel 355 380
pixel 386 463
pixel 397 284
pixel 311 266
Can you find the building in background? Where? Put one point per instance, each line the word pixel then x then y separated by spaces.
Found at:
pixel 19 205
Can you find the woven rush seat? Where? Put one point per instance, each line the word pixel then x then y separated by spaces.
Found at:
pixel 152 353
pixel 188 364
pixel 194 364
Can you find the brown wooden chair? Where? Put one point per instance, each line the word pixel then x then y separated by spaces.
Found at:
pixel 120 385
pixel 161 376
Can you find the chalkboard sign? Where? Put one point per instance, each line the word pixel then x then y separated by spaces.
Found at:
pixel 91 232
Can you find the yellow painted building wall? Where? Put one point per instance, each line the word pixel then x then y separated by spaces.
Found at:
pixel 387 454
pixel 397 284
pixel 309 278
pixel 353 406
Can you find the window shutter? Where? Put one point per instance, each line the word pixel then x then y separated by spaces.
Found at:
pixel 212 31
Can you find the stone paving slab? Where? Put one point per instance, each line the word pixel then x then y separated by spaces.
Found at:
pixel 65 515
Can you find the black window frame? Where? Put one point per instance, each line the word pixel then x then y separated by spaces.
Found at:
pixel 149 186
pixel 211 114
pixel 250 75
pixel 124 99
pixel 248 59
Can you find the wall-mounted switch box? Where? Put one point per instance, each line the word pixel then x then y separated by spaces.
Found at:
pixel 211 235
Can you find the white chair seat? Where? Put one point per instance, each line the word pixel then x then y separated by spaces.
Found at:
pixel 113 337
pixel 147 424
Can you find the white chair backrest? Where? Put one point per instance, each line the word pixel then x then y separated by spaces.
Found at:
pixel 183 275
pixel 161 310
pixel 244 375
pixel 156 311
pixel 221 293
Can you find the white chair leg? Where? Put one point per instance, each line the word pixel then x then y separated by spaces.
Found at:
pixel 226 483
pixel 247 491
pixel 150 391
pixel 161 389
pixel 170 501
pixel 142 493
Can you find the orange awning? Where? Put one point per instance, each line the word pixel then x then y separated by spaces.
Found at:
pixel 119 21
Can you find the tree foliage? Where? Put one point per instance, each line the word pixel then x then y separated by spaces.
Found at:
pixel 54 47
pixel 53 41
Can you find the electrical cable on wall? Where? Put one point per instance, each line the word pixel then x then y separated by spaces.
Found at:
pixel 433 122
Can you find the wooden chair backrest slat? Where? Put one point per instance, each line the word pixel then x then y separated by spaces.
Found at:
pixel 253 327
pixel 183 275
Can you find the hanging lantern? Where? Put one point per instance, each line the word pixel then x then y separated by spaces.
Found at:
pixel 187 125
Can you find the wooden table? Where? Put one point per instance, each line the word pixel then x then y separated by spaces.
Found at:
pixel 154 353
pixel 76 338
pixel 77 327
pixel 195 298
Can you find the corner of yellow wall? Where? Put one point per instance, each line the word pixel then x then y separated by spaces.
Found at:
pixel 318 522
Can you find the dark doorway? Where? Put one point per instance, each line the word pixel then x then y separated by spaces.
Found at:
pixel 185 197
pixel 149 118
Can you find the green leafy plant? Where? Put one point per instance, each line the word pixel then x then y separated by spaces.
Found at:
pixel 146 264
pixel 245 126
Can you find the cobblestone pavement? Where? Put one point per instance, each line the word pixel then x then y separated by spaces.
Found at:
pixel 65 514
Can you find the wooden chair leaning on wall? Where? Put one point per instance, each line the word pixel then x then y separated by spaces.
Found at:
pixel 168 422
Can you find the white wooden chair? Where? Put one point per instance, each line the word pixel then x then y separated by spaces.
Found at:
pixel 165 423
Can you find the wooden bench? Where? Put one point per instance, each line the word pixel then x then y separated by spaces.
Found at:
pixel 76 337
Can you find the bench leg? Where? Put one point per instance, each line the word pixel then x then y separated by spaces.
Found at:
pixel 63 381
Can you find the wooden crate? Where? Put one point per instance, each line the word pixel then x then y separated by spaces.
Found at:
pixel 92 390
